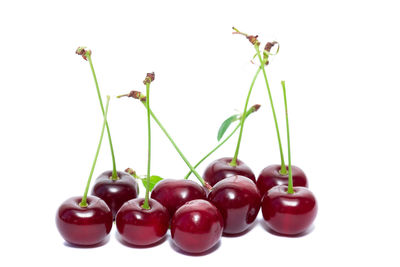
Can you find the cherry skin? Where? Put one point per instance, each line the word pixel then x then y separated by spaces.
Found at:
pixel 172 194
pixel 196 226
pixel 289 214
pixel 270 177
pixel 115 192
pixel 84 226
pixel 220 169
pixel 238 200
pixel 142 227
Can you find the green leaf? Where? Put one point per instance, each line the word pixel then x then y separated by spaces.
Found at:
pixel 225 125
pixel 154 179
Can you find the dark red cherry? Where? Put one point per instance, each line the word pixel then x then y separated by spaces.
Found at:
pixel 115 192
pixel 196 226
pixel 238 200
pixel 220 169
pixel 139 226
pixel 172 194
pixel 270 177
pixel 84 226
pixel 289 214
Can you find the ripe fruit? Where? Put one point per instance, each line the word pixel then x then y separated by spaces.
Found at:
pixel 196 226
pixel 238 200
pixel 172 194
pixel 139 226
pixel 220 169
pixel 289 214
pixel 289 210
pixel 84 226
pixel 270 176
pixel 143 222
pixel 85 220
pixel 115 192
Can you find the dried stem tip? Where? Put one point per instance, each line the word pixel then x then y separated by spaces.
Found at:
pixel 82 51
pixel 252 38
pixel 269 46
pixel 137 95
pixel 149 78
pixel 255 107
pixel 130 171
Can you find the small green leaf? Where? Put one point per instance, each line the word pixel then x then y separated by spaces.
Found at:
pixel 154 179
pixel 225 125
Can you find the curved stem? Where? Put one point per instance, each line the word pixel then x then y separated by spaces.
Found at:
pixel 176 147
pixel 146 199
pixel 283 166
pixel 290 181
pixel 114 171
pixel 83 202
pixel 212 151
pixel 234 159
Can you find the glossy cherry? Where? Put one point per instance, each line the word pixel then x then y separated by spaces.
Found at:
pixel 196 226
pixel 220 169
pixel 172 194
pixel 289 214
pixel 238 200
pixel 139 226
pixel 84 226
pixel 115 192
pixel 270 176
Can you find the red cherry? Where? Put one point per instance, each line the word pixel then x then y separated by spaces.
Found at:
pixel 196 226
pixel 84 226
pixel 142 227
pixel 221 168
pixel 172 194
pixel 289 214
pixel 238 200
pixel 270 177
pixel 115 192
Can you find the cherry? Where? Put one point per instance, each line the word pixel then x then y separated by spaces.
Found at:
pixel 84 226
pixel 289 210
pixel 238 200
pixel 289 214
pixel 172 194
pixel 115 192
pixel 271 176
pixel 139 226
pixel 221 169
pixel 143 222
pixel 196 226
pixel 85 220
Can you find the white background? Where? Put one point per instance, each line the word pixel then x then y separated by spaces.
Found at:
pixel 340 60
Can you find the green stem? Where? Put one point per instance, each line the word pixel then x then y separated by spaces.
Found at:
pixel 83 202
pixel 114 171
pixel 146 199
pixel 290 182
pixel 176 147
pixel 283 170
pixel 212 151
pixel 234 159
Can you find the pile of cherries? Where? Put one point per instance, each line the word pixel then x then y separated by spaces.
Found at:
pixel 226 201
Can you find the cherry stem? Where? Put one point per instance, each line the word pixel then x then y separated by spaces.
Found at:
pixel 220 144
pixel 283 170
pixel 178 150
pixel 146 199
pixel 114 175
pixel 290 181
pixel 234 159
pixel 83 202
